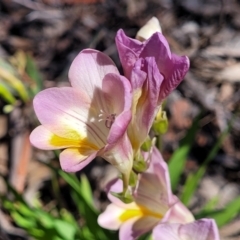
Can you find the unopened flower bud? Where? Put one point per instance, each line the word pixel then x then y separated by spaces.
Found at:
pixel 139 164
pixel 149 29
pixel 160 125
pixel 146 146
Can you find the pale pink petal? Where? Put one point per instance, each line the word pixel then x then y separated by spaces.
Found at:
pixel 74 159
pixel 159 167
pixel 118 93
pixel 150 194
pixel 120 154
pixel 204 229
pixel 135 227
pixel 88 70
pixel 116 186
pixel 178 213
pixel 42 138
pixel 166 232
pixel 119 127
pixel 66 112
pixel 110 218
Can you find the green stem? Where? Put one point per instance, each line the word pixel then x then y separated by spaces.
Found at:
pixel 125 178
pixel 160 142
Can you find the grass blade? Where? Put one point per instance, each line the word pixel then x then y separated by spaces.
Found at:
pixel 193 179
pixel 179 157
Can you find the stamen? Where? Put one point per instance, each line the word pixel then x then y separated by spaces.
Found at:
pixel 108 118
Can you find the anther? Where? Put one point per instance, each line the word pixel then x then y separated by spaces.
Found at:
pixel 110 120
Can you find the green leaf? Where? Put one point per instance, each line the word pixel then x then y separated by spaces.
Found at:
pixel 22 221
pixel 179 157
pixel 25 210
pixel 211 204
pixel 225 215
pixel 193 179
pixel 81 194
pixel 146 236
pixel 13 81
pixel 34 74
pixel 44 219
pixel 86 190
pixel 16 195
pixel 66 230
pixel 6 94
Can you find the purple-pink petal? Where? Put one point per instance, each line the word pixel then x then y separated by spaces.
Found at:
pixel 204 229
pixel 172 67
pixel 75 159
pixel 129 50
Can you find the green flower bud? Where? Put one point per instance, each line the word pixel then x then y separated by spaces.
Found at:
pixel 146 146
pixel 160 125
pixel 133 179
pixel 139 164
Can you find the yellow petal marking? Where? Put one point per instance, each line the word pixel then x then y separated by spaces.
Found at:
pixel 74 141
pixel 139 98
pixel 140 212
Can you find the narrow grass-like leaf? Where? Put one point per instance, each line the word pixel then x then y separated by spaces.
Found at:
pixel 23 221
pixel 6 94
pixel 223 216
pixel 82 196
pixel 193 179
pixel 86 190
pixel 179 157
pixel 17 196
pixel 211 204
pixel 15 83
pixel 146 236
pixel 34 74
pixel 90 215
pixel 66 230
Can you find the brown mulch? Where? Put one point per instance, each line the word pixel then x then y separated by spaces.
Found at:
pixel 208 32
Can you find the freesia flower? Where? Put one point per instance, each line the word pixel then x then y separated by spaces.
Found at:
pixel 172 67
pixel 153 72
pixel 88 119
pixel 204 229
pixel 153 203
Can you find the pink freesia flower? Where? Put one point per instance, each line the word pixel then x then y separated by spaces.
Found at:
pixel 153 203
pixel 173 68
pixel 153 72
pixel 88 119
pixel 204 229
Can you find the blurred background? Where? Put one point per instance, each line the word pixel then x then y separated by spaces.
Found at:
pixel 38 41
